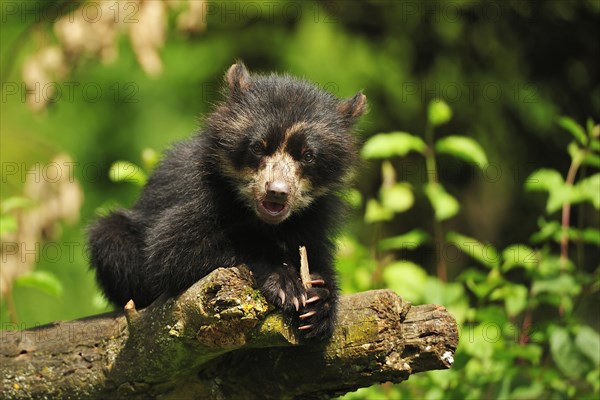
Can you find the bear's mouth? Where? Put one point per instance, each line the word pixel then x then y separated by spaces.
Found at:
pixel 273 212
pixel 273 207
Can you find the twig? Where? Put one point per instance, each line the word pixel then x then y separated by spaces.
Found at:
pixel 304 271
pixel 566 213
pixel 433 179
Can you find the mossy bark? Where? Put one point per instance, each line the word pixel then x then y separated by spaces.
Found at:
pixel 221 340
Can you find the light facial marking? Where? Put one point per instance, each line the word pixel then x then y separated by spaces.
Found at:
pixel 251 183
pixel 289 132
pixel 279 166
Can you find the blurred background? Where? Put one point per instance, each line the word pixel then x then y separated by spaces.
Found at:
pixel 479 188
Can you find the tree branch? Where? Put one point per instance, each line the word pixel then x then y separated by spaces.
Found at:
pixel 220 339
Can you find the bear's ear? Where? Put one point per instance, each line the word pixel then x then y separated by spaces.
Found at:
pixel 237 77
pixel 353 107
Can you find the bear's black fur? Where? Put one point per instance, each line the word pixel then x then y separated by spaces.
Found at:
pixel 259 181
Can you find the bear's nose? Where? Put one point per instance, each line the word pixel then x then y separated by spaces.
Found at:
pixel 277 190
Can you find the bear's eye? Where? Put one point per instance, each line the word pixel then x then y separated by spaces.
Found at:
pixel 257 149
pixel 308 156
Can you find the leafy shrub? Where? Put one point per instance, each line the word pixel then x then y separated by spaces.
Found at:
pixel 509 347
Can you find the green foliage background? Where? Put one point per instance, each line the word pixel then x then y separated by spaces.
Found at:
pixel 506 72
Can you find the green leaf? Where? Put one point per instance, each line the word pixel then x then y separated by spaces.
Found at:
pixel 438 292
pixel 588 235
pixel 532 352
pixel 125 171
pixel 591 235
pixel 551 265
pixel 8 224
pixel 544 179
pixel 478 282
pixel 14 203
pixel 410 240
pixel 405 278
pixel 589 126
pixel 398 197
pixel 593 160
pixel 519 255
pixel 548 230
pixel 375 212
pixel 388 173
pixel 562 285
pixel 574 128
pixel 386 145
pixel 566 355
pixel 482 345
pixel 439 112
pixel 595 145
pixel 150 158
pixel 595 131
pixel 575 151
pixel 593 378
pixel 588 189
pixel 533 391
pixel 452 295
pixel 559 196
pixel 552 182
pixel 354 261
pixel 464 148
pixel 491 313
pixel 362 278
pixel 588 343
pixel 484 253
pixel 444 205
pixel 44 281
pixel 514 297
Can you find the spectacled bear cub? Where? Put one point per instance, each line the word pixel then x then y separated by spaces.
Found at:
pixel 259 181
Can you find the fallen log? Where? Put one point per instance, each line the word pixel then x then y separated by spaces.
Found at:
pixel 220 339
